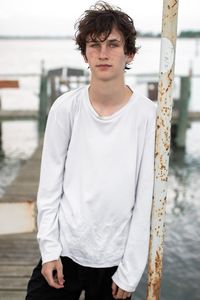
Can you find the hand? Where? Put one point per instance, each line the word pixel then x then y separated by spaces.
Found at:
pixel 118 293
pixel 53 273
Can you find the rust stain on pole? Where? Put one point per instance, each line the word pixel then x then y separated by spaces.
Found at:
pixel 164 115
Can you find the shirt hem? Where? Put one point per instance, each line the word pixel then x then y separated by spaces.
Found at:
pixel 87 263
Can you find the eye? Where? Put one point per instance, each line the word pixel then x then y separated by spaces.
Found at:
pixel 94 45
pixel 114 45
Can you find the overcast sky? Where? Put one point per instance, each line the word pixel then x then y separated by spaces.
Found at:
pixel 57 17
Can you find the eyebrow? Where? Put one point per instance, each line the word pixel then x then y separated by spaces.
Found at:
pixel 114 40
pixel 109 40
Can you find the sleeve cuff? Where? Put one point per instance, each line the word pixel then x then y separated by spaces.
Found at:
pixel 121 284
pixel 48 258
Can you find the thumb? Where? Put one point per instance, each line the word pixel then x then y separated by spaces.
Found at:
pixel 114 288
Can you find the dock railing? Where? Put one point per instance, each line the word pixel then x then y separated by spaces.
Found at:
pixel 54 82
pixel 49 84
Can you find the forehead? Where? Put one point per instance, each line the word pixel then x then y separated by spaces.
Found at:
pixel 114 35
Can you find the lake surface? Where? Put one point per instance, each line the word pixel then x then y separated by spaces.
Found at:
pixel 181 273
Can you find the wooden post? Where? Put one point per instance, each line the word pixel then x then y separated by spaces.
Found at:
pixel 1 148
pixel 43 101
pixel 6 84
pixel 53 90
pixel 180 139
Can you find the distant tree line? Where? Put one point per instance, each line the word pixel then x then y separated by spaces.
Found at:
pixel 148 34
pixel 182 34
pixel 190 33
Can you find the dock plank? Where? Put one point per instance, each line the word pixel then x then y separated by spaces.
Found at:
pixel 18 114
pixel 15 271
pixel 13 283
pixel 17 295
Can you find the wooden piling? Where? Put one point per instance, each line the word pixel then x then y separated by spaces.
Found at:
pixel 1 143
pixel 182 122
pixel 43 102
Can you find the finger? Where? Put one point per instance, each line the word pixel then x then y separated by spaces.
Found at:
pixel 48 275
pixel 53 282
pixel 120 294
pixel 114 288
pixel 126 295
pixel 60 274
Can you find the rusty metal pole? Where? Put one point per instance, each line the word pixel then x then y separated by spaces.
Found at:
pixel 164 115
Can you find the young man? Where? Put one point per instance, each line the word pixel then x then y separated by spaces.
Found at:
pixel 95 192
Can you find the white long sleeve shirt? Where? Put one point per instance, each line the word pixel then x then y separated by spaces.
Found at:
pixel 96 181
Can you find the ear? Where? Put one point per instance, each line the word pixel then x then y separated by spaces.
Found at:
pixel 129 58
pixel 85 58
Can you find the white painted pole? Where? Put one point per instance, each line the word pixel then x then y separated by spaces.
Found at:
pixel 164 115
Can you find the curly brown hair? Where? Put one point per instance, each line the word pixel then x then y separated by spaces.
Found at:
pixel 99 20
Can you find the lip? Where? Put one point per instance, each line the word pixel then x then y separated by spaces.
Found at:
pixel 103 66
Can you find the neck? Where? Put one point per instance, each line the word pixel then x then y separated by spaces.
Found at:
pixel 108 97
pixel 108 93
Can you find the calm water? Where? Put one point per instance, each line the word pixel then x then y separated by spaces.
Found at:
pixel 181 273
pixel 181 270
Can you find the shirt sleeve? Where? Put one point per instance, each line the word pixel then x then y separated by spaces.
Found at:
pixel 56 141
pixel 132 265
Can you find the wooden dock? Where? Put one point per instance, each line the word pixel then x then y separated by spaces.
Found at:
pixel 18 114
pixel 19 200
pixel 19 253
pixel 33 114
pixel 193 116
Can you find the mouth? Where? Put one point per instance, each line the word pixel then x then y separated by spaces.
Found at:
pixel 103 66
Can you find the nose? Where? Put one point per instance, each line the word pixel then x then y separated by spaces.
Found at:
pixel 103 53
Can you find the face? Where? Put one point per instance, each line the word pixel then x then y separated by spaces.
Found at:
pixel 107 59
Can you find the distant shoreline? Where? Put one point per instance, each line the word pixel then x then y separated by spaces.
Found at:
pixel 36 37
pixel 182 34
pixel 71 37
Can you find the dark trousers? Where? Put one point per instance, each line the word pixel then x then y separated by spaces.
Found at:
pixel 95 281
